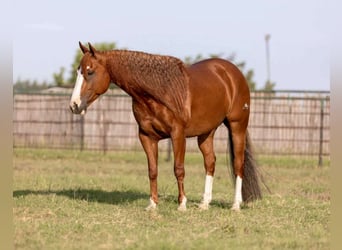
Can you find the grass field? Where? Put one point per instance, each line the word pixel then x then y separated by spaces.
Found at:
pixel 88 200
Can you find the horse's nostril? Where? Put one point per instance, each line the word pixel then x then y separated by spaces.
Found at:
pixel 73 107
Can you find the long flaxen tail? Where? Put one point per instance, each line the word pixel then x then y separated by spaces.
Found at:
pixel 252 178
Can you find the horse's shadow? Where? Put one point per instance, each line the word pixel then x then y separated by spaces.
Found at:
pixel 194 202
pixel 90 195
pixel 113 197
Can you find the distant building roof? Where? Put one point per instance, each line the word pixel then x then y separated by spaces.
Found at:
pixel 57 90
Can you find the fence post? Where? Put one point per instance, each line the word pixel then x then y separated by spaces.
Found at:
pixel 320 157
pixel 103 128
pixel 168 156
pixel 82 132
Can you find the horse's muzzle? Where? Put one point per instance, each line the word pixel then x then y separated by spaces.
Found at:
pixel 77 109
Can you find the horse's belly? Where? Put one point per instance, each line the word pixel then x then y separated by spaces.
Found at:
pixel 206 116
pixel 203 126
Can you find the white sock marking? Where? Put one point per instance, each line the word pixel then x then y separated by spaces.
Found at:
pixel 151 206
pixel 76 94
pixel 182 206
pixel 208 188
pixel 238 194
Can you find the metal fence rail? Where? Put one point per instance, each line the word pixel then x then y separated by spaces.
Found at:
pixel 281 123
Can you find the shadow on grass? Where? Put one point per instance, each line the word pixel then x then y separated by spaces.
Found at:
pixel 90 195
pixel 117 197
pixel 193 202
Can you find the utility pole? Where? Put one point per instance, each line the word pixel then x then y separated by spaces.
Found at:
pixel 267 39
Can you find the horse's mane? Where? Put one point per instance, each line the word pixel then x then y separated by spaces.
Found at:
pixel 163 78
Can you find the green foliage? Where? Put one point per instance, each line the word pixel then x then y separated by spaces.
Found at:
pixel 88 200
pixel 27 85
pixel 59 77
pixel 188 60
pixel 269 86
pixel 249 74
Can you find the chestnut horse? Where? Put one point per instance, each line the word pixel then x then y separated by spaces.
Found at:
pixel 171 100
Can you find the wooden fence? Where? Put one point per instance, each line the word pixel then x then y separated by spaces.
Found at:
pixel 282 122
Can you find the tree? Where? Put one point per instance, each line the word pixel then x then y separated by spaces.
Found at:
pixel 188 60
pixel 249 74
pixel 249 77
pixel 28 85
pixel 269 86
pixel 59 77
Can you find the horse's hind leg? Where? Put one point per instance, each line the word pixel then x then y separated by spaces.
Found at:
pixel 238 137
pixel 205 143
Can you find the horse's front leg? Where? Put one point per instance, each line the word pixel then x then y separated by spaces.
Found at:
pixel 151 149
pixel 179 143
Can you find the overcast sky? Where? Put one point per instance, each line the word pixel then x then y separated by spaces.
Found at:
pixel 46 34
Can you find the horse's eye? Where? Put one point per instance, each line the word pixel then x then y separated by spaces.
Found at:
pixel 90 72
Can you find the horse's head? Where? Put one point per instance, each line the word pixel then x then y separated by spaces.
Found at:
pixel 92 80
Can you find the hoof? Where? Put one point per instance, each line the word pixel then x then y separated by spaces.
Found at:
pixel 182 205
pixel 181 208
pixel 203 206
pixel 152 206
pixel 236 207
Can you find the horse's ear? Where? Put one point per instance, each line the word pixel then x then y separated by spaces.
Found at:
pixel 92 49
pixel 83 48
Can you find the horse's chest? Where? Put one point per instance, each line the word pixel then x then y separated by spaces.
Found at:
pixel 153 119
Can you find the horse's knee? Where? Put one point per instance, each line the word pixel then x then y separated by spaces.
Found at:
pixel 179 171
pixel 153 173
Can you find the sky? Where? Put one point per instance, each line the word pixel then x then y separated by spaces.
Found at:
pixel 46 34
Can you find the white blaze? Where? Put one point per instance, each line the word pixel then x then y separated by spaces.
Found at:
pixel 76 94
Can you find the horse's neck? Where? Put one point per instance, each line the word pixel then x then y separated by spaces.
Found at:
pixel 140 74
pixel 118 71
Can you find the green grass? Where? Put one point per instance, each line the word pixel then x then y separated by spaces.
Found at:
pixel 88 200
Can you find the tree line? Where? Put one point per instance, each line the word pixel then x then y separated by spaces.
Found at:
pixel 62 78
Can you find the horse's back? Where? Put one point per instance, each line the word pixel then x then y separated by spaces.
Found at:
pixel 218 71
